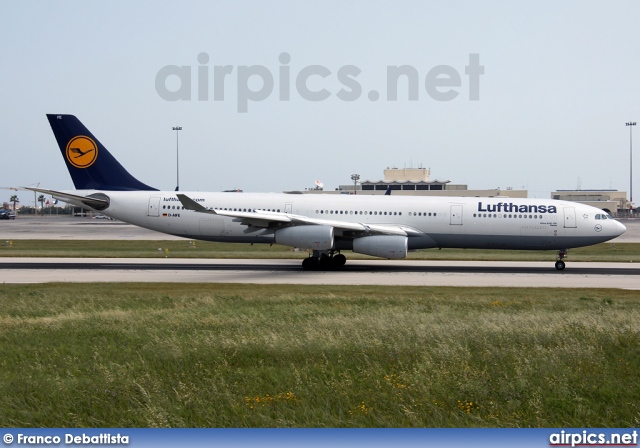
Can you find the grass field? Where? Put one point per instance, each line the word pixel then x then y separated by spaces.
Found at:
pixel 626 252
pixel 205 355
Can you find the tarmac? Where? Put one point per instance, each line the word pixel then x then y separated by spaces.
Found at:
pixel 356 272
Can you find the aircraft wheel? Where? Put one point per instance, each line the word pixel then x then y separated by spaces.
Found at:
pixel 559 265
pixel 325 263
pixel 339 260
pixel 309 264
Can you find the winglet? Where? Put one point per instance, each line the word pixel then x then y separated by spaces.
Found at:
pixel 190 204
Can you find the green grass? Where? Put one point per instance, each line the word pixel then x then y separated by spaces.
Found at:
pixel 215 355
pixel 625 252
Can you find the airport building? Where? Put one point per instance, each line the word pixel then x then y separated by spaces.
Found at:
pixel 417 182
pixel 414 182
pixel 613 202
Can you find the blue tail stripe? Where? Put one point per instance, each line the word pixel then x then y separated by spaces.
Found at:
pixel 104 172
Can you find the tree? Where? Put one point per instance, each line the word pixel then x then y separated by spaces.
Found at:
pixel 41 201
pixel 14 199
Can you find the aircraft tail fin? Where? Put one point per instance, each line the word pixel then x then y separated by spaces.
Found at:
pixel 90 165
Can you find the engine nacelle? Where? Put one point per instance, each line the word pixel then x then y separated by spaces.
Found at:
pixel 383 246
pixel 306 237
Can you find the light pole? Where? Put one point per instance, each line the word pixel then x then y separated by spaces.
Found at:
pixel 631 124
pixel 355 178
pixel 177 128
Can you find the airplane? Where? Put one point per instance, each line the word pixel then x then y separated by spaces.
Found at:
pixel 383 226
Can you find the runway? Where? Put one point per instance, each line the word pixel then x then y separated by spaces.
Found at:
pixel 356 272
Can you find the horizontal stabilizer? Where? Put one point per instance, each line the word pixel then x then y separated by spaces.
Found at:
pixel 91 202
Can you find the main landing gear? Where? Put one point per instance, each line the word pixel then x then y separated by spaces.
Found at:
pixel 561 255
pixel 323 259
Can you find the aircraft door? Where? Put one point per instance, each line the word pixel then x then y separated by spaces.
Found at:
pixel 456 215
pixel 288 208
pixel 569 217
pixel 154 206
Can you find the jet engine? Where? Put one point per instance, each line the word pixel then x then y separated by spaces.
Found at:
pixel 306 237
pixel 383 246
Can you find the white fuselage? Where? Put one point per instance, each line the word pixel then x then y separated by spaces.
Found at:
pixel 494 223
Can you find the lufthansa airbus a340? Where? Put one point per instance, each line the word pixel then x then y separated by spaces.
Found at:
pixel 325 225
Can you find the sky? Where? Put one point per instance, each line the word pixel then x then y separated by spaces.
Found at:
pixel 307 95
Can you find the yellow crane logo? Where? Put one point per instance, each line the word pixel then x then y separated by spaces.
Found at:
pixel 82 151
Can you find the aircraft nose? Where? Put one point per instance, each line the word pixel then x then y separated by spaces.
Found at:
pixel 620 228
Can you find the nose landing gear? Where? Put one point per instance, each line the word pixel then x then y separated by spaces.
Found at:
pixel 562 254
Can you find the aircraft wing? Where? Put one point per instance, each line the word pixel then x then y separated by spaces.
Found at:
pixel 262 218
pixel 75 199
pixel 190 204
